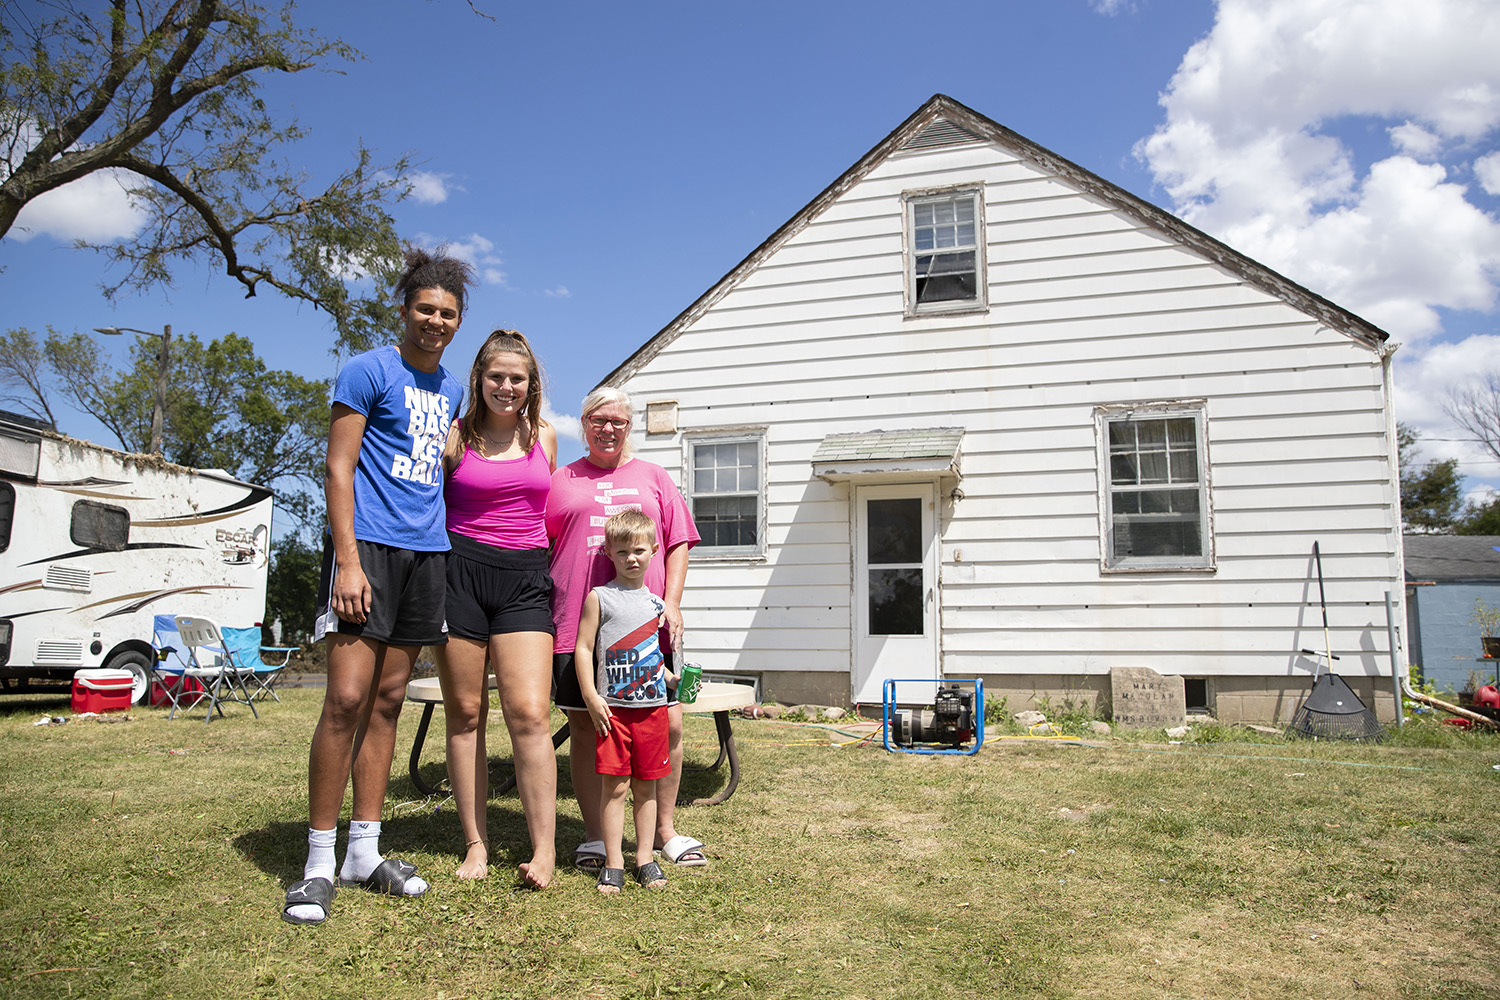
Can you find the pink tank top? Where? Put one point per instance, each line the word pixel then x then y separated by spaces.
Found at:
pixel 500 502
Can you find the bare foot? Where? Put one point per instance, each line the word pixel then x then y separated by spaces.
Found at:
pixel 537 873
pixel 476 863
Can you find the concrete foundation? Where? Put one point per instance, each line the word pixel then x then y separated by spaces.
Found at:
pixel 1270 701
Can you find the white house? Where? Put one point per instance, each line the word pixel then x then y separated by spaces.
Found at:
pixel 975 411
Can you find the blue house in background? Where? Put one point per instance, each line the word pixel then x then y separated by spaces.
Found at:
pixel 1444 576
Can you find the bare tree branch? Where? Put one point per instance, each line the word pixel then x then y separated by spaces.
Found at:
pixel 167 90
pixel 1476 408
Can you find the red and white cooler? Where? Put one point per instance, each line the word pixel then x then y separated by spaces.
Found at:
pixel 101 690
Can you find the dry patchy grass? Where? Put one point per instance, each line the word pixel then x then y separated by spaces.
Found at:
pixel 148 858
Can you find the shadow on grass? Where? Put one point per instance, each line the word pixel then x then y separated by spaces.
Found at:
pixel 280 848
pixel 37 701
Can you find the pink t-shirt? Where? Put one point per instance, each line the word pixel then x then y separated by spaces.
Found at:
pixel 500 501
pixel 583 497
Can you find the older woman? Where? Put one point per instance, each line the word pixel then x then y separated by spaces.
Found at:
pixel 584 494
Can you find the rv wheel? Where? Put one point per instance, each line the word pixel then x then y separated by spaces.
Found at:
pixel 140 669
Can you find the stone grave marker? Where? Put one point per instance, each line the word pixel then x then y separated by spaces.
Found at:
pixel 1145 699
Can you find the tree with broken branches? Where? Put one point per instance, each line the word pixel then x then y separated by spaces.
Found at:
pixel 166 94
pixel 1475 406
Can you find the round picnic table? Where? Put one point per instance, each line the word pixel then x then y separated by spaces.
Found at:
pixel 716 697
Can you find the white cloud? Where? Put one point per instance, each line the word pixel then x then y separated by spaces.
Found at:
pixel 1249 153
pixel 477 250
pixel 1487 171
pixel 1423 382
pixel 567 424
pixel 1110 8
pixel 1414 140
pixel 97 208
pixel 429 188
pixel 560 292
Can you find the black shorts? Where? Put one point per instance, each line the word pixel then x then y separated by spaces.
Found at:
pixel 568 696
pixel 496 591
pixel 406 596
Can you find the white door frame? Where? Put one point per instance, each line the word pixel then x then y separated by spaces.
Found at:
pixel 878 658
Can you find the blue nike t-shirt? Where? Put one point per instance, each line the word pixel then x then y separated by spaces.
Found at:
pixel 398 480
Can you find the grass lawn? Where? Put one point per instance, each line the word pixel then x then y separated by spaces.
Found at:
pixel 148 859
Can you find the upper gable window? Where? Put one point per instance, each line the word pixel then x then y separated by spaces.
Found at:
pixel 944 253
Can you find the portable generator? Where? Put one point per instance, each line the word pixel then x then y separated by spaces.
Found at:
pixel 953 721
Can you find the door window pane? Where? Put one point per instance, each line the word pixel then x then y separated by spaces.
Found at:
pixel 893 530
pixel 896 601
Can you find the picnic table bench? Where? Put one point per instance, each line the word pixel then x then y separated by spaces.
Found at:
pixel 714 697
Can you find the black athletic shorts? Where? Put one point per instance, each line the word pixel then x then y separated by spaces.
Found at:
pixel 496 591
pixel 568 696
pixel 406 595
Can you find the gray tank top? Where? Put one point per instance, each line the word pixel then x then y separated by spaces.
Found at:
pixel 628 667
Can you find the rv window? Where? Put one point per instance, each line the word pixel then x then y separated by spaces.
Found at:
pixel 100 526
pixel 7 513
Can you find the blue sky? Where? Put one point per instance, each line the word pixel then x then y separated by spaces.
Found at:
pixel 603 163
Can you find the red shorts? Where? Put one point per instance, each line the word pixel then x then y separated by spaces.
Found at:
pixel 636 744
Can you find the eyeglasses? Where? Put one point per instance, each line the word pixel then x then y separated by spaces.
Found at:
pixel 599 423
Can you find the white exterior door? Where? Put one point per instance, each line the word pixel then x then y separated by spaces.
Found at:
pixel 895 589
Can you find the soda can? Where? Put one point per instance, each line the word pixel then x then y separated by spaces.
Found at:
pixel 687 687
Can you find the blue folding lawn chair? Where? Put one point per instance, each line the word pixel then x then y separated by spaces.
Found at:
pixel 250 654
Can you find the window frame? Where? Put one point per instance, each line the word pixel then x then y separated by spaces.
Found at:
pixel 756 435
pixel 909 253
pixel 104 544
pixel 8 504
pixel 1197 411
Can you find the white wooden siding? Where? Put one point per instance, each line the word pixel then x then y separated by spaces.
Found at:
pixel 1087 305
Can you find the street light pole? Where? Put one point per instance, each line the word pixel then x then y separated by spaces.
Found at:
pixel 159 408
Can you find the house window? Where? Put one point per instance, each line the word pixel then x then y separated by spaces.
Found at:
pixel 726 489
pixel 100 526
pixel 1155 502
pixel 945 257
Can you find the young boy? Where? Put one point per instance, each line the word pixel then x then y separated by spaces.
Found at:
pixel 621 619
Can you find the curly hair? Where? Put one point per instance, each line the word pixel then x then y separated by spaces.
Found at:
pixel 435 269
pixel 503 342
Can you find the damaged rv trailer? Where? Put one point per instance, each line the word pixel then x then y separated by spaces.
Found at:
pixel 94 543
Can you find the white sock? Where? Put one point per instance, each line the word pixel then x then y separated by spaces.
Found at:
pixel 320 858
pixel 364 856
pixel 320 864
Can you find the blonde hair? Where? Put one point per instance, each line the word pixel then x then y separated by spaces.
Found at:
pixel 601 397
pixel 627 526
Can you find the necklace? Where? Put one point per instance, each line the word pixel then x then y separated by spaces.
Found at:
pixel 494 448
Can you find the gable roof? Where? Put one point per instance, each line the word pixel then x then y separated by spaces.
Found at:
pixel 1443 558
pixel 943 121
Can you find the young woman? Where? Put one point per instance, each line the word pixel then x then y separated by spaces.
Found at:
pixel 499 462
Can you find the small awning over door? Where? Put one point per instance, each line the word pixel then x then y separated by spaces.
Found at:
pixel 927 453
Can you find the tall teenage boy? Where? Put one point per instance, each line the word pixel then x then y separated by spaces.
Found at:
pixel 381 598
